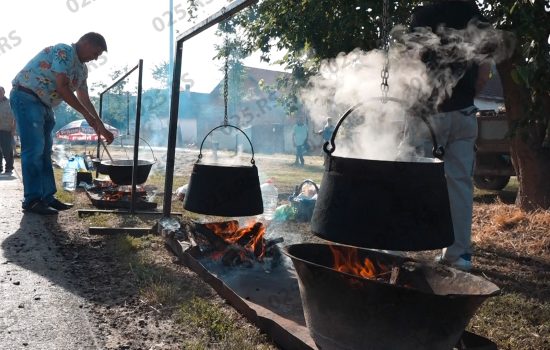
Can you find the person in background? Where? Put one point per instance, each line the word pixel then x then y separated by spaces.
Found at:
pixel 52 76
pixel 454 118
pixel 299 139
pixel 7 131
pixel 327 130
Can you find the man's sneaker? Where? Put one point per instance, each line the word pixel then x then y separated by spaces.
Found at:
pixel 463 262
pixel 57 204
pixel 39 207
pixel 8 173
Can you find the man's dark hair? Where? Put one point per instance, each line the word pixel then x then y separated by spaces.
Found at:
pixel 95 39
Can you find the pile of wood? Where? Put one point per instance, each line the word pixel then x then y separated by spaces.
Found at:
pixel 235 245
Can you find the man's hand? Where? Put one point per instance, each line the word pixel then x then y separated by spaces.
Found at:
pixel 100 128
pixel 102 131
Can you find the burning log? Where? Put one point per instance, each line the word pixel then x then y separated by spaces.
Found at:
pixel 216 241
pixel 237 246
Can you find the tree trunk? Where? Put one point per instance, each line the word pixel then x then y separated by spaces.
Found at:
pixel 531 160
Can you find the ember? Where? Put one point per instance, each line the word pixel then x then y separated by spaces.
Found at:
pixel 107 194
pixel 235 245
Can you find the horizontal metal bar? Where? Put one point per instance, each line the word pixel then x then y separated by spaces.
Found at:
pixel 84 212
pixel 119 80
pixel 216 18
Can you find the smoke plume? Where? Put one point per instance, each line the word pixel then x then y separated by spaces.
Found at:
pixel 374 130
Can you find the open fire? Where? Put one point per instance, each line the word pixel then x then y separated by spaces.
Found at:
pixel 234 245
pixel 107 194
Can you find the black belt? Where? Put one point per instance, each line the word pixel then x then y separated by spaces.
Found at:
pixel 28 91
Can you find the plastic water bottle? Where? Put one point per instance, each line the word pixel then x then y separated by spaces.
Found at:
pixel 270 196
pixel 69 178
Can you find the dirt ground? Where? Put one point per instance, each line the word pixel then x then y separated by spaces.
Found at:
pixel 141 298
pixel 135 301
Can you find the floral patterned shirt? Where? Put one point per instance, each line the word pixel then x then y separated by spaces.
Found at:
pixel 39 74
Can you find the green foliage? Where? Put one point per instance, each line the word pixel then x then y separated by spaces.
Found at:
pixel 530 23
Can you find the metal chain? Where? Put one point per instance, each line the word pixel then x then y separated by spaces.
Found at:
pixel 225 85
pixel 384 37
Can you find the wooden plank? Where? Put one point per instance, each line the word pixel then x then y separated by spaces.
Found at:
pixel 132 231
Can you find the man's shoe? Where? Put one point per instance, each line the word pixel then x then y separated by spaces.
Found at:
pixel 56 204
pixel 463 262
pixel 39 207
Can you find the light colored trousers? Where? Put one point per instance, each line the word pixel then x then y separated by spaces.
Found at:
pixel 456 131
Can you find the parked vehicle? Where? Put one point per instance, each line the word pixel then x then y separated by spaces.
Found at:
pixel 493 167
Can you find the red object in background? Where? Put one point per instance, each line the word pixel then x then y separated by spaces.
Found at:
pixel 80 130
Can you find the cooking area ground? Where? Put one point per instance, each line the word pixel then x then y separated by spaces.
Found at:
pixel 130 295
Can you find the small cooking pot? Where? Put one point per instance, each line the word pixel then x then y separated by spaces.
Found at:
pixel 230 191
pixel 120 170
pixel 396 205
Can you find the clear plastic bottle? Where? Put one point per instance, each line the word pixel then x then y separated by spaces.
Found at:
pixel 270 197
pixel 69 179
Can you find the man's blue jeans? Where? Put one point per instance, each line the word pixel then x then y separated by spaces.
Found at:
pixel 35 122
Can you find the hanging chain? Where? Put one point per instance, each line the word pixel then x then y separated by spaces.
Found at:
pixel 225 84
pixel 384 37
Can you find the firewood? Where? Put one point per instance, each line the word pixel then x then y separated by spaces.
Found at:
pixel 216 241
pixel 271 242
pixel 247 237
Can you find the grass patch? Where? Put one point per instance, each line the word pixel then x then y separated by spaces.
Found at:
pixel 216 328
pixel 514 322
pixel 101 220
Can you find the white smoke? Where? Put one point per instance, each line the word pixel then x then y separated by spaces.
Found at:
pixel 375 129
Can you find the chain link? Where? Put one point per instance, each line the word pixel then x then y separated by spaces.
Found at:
pixel 385 44
pixel 225 85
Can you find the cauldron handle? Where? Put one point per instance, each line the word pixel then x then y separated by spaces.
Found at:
pixel 438 151
pixel 252 161
pixel 142 139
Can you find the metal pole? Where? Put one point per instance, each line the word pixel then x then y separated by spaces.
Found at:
pixel 172 129
pixel 127 113
pixel 136 138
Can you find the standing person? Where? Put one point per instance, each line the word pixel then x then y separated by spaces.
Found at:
pixel 327 130
pixel 7 131
pixel 52 76
pixel 299 139
pixel 453 117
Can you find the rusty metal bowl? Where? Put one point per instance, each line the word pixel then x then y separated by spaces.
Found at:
pixel 345 311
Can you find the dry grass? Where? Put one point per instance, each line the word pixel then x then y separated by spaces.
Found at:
pixel 505 227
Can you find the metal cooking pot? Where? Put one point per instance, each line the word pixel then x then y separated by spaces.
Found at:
pixel 218 190
pixel 345 311
pixel 395 205
pixel 120 170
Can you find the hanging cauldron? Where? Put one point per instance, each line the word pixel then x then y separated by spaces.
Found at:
pixel 398 205
pixel 428 307
pixel 218 190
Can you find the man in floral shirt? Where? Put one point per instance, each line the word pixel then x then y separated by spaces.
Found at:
pixel 52 76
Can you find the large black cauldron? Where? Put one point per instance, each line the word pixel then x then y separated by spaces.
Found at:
pixel 427 310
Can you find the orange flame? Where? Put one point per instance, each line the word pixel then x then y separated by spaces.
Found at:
pixel 346 260
pixel 231 233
